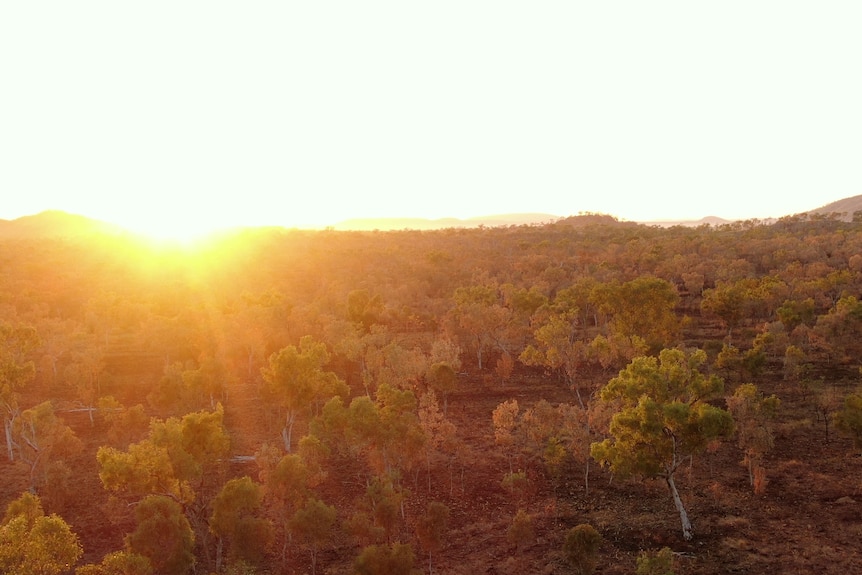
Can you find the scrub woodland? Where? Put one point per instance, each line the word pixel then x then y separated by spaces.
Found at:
pixel 582 396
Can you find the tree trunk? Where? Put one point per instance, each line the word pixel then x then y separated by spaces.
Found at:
pixel 587 478
pixel 687 532
pixel 7 427
pixel 218 555
pixel 287 431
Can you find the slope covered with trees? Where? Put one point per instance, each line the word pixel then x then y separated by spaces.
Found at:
pixel 528 398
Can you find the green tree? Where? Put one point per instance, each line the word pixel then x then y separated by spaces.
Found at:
pixel 643 307
pixel 662 418
pixel 285 484
pixel 442 379
pixel 32 543
pixel 118 563
pixel 236 521
pixel 728 301
pixel 849 419
pixel 521 532
pixel 658 563
pixel 431 529
pixel 296 380
pixel 396 559
pixel 178 458
pixel 163 535
pixel 558 348
pixel 313 523
pixel 581 547
pixel 16 371
pixel 41 436
pixel 481 319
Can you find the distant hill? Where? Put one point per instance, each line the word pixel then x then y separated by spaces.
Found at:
pixel 709 220
pixel 846 206
pixel 385 224
pixel 54 224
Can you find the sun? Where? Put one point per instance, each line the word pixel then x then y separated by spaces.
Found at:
pixel 174 228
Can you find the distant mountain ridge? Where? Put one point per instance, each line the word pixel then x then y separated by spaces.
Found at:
pixel 54 224
pixel 846 206
pixel 386 224
pixel 57 223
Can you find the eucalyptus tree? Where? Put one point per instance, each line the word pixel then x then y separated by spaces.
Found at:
pixel 662 418
pixel 34 543
pixel 16 371
pixel 296 380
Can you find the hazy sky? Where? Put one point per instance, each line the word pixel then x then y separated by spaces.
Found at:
pixel 313 112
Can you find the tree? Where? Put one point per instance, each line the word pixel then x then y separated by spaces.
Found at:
pixel 85 375
pixel 580 548
pixel 163 535
pixel 439 431
pixel 643 307
pixel 285 482
pixel 521 532
pixel 849 419
pixel 118 563
pixel 662 418
pixel 296 380
pixel 658 563
pixel 728 302
pixel 505 418
pixel 396 559
pixel 16 371
pixel 32 543
pixel 431 529
pixel 236 521
pixel 481 319
pixel 40 436
pixel 558 348
pixel 313 523
pixel 442 379
pixel 377 514
pixel 753 414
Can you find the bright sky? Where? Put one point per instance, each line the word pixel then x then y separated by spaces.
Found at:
pixel 183 113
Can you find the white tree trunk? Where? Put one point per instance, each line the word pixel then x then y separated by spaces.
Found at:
pixel 687 532
pixel 287 431
pixel 7 427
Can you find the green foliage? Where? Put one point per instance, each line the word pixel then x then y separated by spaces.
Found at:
pixel 178 456
pixel 849 419
pixel 236 519
pixel 658 563
pixel 16 371
pixel 521 532
pixel 516 483
pixel 662 417
pixel 431 528
pixel 118 563
pixel 296 381
pixel 396 559
pixel 643 307
pixel 163 535
pixel 581 547
pixel 313 523
pixel 442 378
pixel 41 437
pixel 32 543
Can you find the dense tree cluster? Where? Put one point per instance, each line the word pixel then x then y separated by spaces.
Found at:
pixel 282 398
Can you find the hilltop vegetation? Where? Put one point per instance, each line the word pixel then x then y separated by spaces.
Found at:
pixel 462 400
